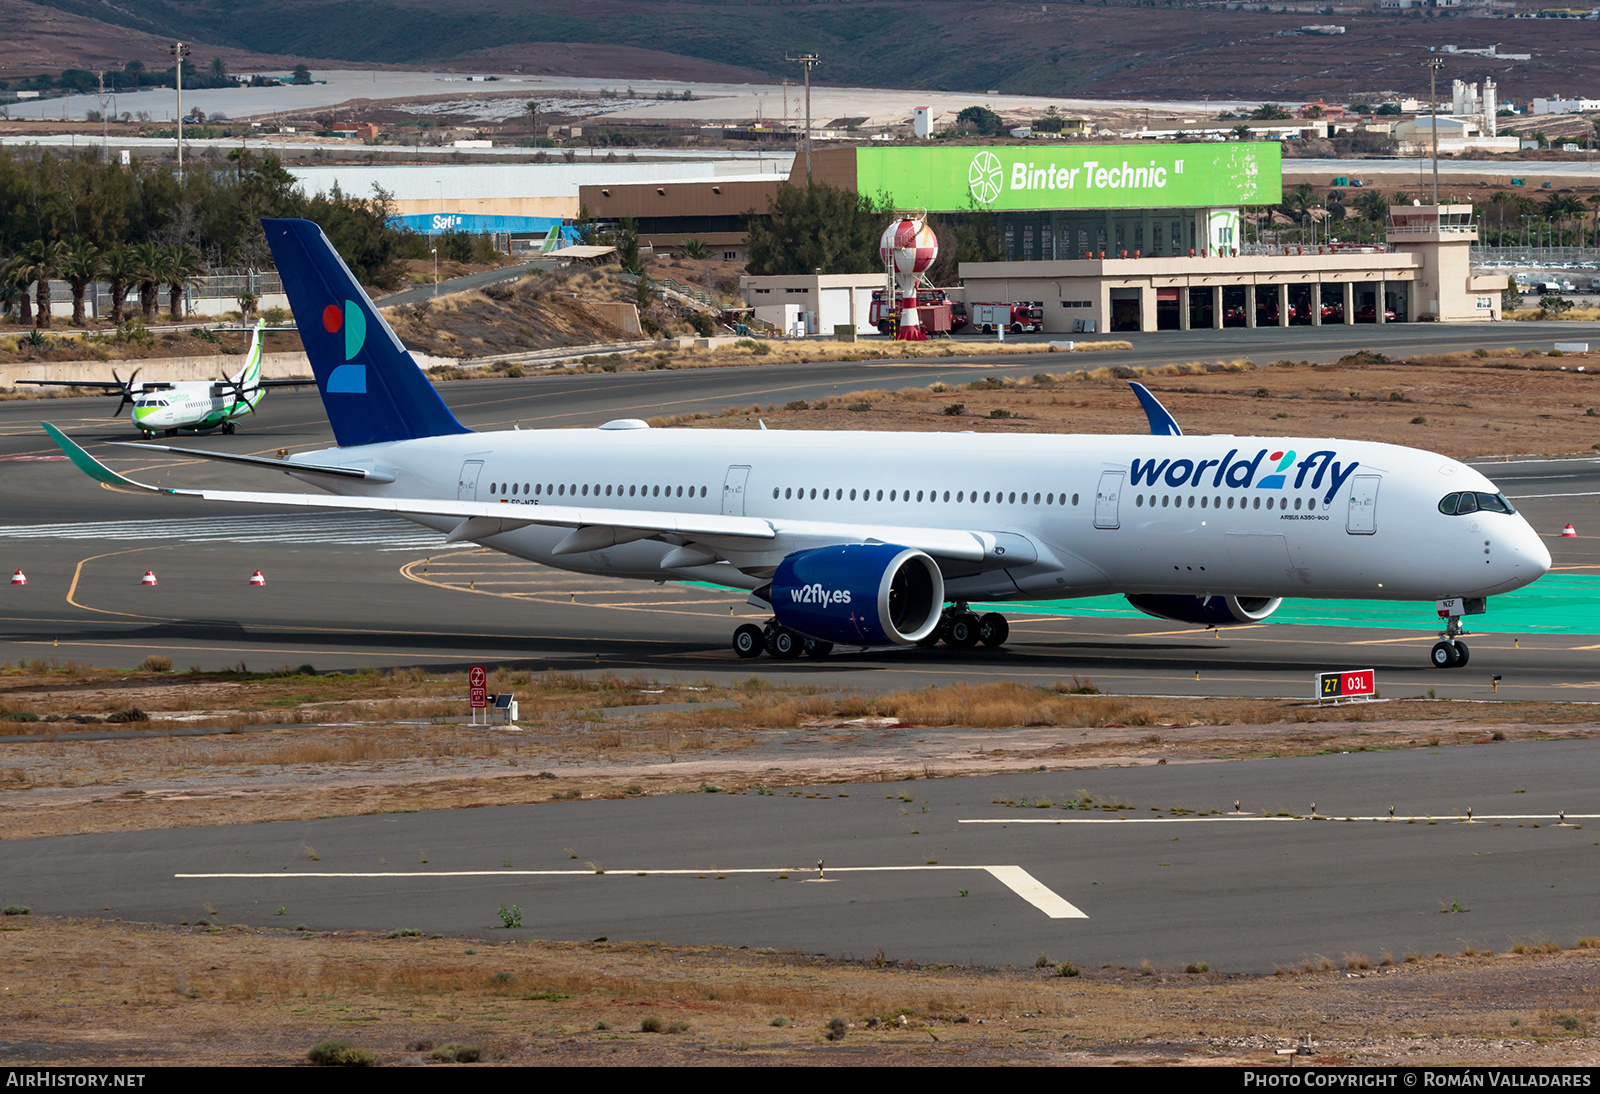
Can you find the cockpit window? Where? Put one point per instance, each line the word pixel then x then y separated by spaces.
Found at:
pixel 1457 505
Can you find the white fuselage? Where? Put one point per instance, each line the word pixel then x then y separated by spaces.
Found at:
pixel 1349 520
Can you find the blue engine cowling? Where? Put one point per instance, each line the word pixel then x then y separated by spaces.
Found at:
pixel 1211 611
pixel 862 594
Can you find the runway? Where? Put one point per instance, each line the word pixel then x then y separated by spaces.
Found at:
pixel 987 870
pixel 348 590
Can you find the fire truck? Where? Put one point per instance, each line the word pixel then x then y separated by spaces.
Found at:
pixel 1017 318
pixel 885 309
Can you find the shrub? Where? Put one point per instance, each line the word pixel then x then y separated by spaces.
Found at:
pixel 16 909
pixel 341 1054
pixel 650 1024
pixel 955 410
pixel 156 663
pixel 1067 968
pixel 457 1054
pixel 132 714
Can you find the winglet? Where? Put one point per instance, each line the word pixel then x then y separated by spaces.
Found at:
pixel 1162 424
pixel 91 466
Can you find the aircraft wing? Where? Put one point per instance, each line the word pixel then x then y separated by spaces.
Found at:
pixel 107 386
pixel 594 528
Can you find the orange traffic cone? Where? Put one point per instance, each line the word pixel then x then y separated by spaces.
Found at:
pixel 257 579
pixel 1569 532
pixel 149 578
pixel 19 578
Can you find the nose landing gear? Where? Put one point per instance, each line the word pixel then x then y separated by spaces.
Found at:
pixel 1450 652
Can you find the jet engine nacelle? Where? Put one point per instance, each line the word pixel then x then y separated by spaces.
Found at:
pixel 864 594
pixel 1211 611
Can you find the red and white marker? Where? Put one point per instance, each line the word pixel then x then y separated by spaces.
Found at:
pixel 1569 532
pixel 19 578
pixel 257 579
pixel 149 578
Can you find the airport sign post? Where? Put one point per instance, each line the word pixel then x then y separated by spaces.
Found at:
pixel 1349 684
pixel 478 688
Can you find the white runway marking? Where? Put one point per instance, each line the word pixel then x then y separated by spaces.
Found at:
pixel 383 532
pixel 1399 818
pixel 1015 878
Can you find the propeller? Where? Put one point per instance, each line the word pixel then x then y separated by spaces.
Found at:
pixel 127 390
pixel 239 391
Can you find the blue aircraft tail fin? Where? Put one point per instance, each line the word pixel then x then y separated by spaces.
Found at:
pixel 371 387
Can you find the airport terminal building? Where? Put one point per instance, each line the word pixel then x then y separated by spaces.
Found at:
pixel 1134 237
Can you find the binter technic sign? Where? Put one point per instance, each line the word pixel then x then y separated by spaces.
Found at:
pixel 1072 176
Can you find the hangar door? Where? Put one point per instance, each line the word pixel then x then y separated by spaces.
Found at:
pixel 833 309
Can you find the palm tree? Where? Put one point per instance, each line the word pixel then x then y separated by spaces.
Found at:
pixel 1594 214
pixel 1372 205
pixel 43 258
pixel 82 263
pixel 16 281
pixel 121 270
pixel 147 272
pixel 181 269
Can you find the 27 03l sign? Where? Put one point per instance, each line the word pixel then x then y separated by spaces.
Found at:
pixel 1349 684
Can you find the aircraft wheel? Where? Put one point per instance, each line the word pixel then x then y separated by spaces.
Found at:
pixel 747 641
pixel 816 648
pixel 785 644
pixel 993 630
pixel 1461 653
pixel 227 427
pixel 172 432
pixel 1444 655
pixel 962 630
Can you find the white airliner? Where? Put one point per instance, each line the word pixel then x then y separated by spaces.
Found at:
pixel 201 405
pixel 877 539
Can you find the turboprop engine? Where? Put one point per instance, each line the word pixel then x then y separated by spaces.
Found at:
pixel 864 594
pixel 1211 611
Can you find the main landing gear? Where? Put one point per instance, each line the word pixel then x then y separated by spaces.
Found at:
pixel 957 627
pixel 1450 652
pixel 780 642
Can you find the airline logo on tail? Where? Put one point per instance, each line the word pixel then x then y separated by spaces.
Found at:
pixel 347 379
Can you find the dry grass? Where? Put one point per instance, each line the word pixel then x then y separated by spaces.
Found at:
pixel 123 994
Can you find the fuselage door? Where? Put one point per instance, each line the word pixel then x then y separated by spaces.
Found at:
pixel 733 491
pixel 1105 500
pixel 1363 517
pixel 467 487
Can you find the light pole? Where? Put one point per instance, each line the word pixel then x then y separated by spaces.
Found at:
pixel 434 247
pixel 808 61
pixel 179 52
pixel 1434 64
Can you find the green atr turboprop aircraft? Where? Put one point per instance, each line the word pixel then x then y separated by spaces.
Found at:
pixel 201 405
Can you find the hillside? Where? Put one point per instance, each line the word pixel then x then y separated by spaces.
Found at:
pixel 1118 50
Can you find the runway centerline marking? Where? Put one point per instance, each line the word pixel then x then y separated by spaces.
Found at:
pixel 1015 878
pixel 1406 818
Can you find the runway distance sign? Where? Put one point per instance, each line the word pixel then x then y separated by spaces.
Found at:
pixel 478 686
pixel 1349 684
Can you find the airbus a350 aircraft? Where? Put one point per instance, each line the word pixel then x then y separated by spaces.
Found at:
pixel 877 539
pixel 201 405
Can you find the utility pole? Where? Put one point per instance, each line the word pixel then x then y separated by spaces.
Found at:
pixel 808 61
pixel 179 52
pixel 105 139
pixel 1434 64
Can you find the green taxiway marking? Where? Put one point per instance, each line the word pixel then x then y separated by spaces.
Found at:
pixel 1555 604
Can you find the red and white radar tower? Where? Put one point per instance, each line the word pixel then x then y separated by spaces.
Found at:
pixel 908 248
